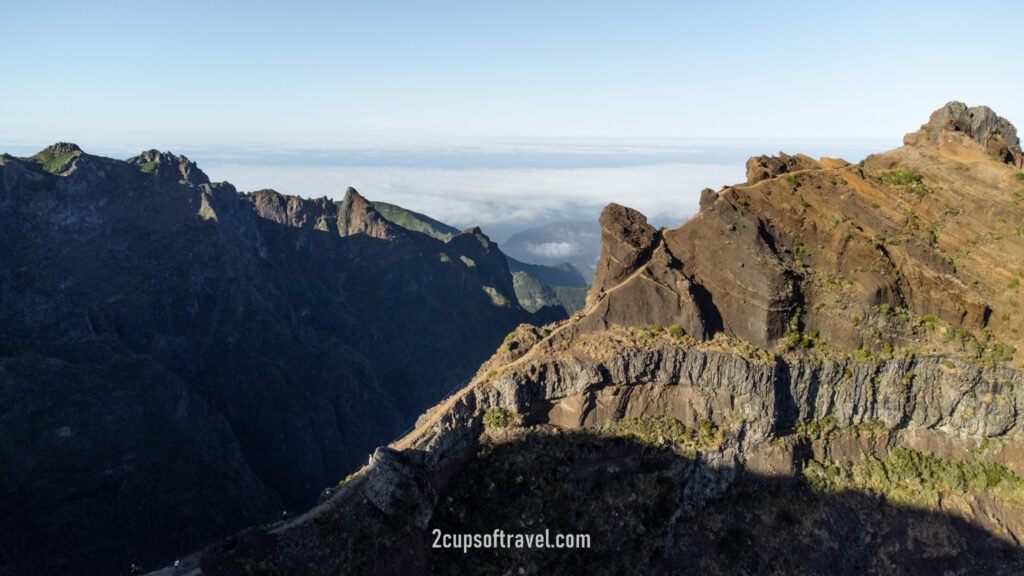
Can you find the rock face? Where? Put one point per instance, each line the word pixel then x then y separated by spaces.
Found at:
pixel 815 374
pixel 979 123
pixel 178 360
pixel 857 254
pixel 764 412
pixel 398 486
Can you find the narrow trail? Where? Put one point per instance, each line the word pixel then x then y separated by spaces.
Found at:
pixel 434 414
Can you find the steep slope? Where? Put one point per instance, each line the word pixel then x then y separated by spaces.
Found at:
pixel 536 286
pixel 765 429
pixel 415 221
pixel 178 359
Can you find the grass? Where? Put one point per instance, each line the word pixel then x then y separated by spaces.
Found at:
pixel 497 418
pixel 666 431
pixel 53 163
pixel 904 181
pixel 910 477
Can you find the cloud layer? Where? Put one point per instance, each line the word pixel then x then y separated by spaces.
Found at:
pixel 500 200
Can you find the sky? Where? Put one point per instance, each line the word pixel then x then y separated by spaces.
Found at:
pixel 484 80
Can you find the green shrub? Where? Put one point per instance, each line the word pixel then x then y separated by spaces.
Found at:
pixel 663 431
pixel 904 181
pixel 1019 175
pixel 675 331
pixel 497 418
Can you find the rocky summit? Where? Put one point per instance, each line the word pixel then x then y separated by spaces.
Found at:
pixel 818 373
pixel 179 359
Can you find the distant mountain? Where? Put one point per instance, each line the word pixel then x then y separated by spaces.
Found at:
pixel 575 242
pixel 415 221
pixel 178 359
pixel 536 286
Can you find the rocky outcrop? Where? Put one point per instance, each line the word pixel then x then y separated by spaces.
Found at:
pixel 833 248
pixel 398 486
pixel 767 167
pixel 167 165
pixel 357 216
pixel 626 243
pixel 995 133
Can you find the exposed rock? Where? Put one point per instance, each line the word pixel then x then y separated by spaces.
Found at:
pixel 766 167
pixel 61 148
pixel 169 166
pixel 357 216
pixel 995 133
pixel 626 242
pixel 398 486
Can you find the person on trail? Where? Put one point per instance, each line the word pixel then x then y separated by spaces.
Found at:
pixel 284 516
pixel 600 294
pixel 134 570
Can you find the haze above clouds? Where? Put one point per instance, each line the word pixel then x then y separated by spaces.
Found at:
pixel 502 115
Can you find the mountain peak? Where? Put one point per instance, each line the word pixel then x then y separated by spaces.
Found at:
pixel 167 164
pixel 62 148
pixel 979 123
pixel 357 216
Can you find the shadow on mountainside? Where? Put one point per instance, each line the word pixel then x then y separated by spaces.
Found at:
pixel 179 360
pixel 640 506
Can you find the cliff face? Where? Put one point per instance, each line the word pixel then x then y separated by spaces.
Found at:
pixel 178 360
pixel 816 374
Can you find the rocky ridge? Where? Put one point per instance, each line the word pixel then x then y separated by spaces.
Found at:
pixel 817 373
pixel 179 359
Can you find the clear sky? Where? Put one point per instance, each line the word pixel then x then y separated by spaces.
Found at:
pixel 150 74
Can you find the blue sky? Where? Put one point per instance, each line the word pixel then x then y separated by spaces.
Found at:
pixel 268 73
pixel 501 114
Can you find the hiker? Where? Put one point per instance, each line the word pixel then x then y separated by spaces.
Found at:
pixel 284 516
pixel 134 570
pixel 177 565
pixel 600 294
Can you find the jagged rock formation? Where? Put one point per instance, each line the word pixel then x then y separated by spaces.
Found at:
pixel 178 359
pixel 815 374
pixel 858 254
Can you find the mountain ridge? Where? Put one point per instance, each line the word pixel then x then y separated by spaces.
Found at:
pixel 179 359
pixel 850 424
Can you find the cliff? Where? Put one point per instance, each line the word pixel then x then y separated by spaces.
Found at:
pixel 817 373
pixel 179 360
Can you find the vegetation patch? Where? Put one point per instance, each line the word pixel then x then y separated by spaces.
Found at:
pixel 908 181
pixel 666 431
pixel 497 418
pixel 910 477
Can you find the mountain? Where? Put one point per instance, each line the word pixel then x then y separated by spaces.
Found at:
pixel 575 242
pixel 536 286
pixel 415 221
pixel 817 374
pixel 179 359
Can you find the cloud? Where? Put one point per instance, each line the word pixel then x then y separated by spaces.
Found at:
pixel 508 197
pixel 551 249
